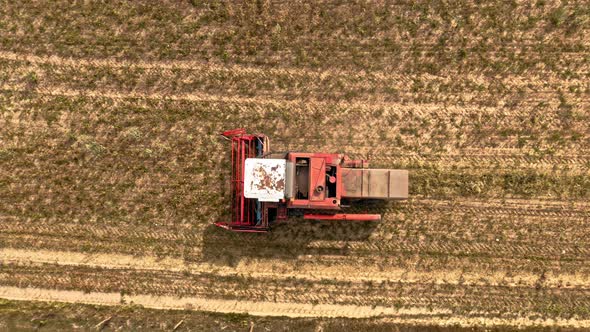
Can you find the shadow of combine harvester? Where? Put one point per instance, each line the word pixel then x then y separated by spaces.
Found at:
pixel 289 240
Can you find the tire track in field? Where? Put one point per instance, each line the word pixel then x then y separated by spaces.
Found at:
pixel 103 232
pixel 444 295
pixel 220 249
pixel 510 207
pixel 326 291
pixel 282 270
pixel 417 316
pixel 518 212
pixel 579 251
pixel 166 283
pixel 541 211
pixel 257 308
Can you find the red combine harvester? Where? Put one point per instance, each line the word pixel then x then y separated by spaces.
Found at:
pixel 268 187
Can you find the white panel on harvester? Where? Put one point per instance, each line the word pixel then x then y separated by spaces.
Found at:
pixel 264 179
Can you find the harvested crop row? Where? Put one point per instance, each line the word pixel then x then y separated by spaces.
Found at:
pixel 420 226
pixel 80 310
pixel 47 111
pixel 305 269
pixel 414 37
pixel 462 299
pixel 293 77
pixel 513 92
pixel 420 128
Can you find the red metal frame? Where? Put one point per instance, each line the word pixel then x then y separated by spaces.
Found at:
pixel 243 209
pixel 317 169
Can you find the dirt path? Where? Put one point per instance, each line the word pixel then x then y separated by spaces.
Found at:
pixel 207 304
pixel 416 316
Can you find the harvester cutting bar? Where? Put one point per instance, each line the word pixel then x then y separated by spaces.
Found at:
pixel 343 216
pixel 241 149
pixel 243 146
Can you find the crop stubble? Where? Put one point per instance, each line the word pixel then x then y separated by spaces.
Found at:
pixel 106 154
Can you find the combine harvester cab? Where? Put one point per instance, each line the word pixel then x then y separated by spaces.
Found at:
pixel 265 186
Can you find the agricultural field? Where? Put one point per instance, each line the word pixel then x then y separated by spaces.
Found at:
pixel 112 170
